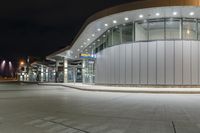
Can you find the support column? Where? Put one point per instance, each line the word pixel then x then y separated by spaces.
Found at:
pixel 42 74
pixel 56 71
pixel 83 71
pixel 47 74
pixel 65 70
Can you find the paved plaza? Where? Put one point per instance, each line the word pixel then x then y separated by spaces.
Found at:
pixel 27 108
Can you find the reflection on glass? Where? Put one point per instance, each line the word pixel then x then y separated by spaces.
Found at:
pixel 109 38
pixel 116 36
pixel 127 33
pixel 189 29
pixel 173 29
pixel 198 30
pixel 141 31
pixel 156 30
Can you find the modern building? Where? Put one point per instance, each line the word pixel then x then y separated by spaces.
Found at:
pixel 148 42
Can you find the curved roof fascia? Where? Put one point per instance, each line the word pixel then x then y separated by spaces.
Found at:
pixel 140 4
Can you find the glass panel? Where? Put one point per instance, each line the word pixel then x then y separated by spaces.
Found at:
pixel 173 29
pixel 127 33
pixel 189 29
pixel 104 42
pixel 198 30
pixel 89 71
pixel 156 29
pixel 116 36
pixel 141 31
pixel 109 38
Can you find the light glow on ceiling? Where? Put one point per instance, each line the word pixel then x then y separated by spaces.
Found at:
pixel 126 18
pixel 157 14
pixel 114 21
pixel 141 16
pixel 191 13
pixel 175 13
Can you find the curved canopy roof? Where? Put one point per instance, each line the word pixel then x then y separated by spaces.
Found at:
pixel 101 21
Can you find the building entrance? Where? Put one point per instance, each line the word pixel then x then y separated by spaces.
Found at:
pixel 74 71
pixel 74 74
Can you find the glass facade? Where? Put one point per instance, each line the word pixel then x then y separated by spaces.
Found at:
pixel 189 29
pixel 156 29
pixel 147 30
pixel 173 29
pixel 127 33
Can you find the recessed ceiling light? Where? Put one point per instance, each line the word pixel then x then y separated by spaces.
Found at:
pixel 84 43
pixel 141 16
pixel 104 35
pixel 175 13
pixel 94 43
pixel 93 35
pixel 78 49
pixel 88 39
pixel 81 46
pixel 157 14
pixel 99 29
pixel 114 21
pixel 191 13
pixel 106 25
pixel 126 18
pixel 98 40
pixel 75 56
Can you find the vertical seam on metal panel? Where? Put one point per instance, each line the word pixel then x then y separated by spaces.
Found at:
pixel 148 54
pixel 165 62
pixel 119 64
pixel 198 60
pixel 174 63
pixel 115 65
pixel 191 78
pixel 182 63
pixel 139 63
pixel 131 63
pixel 125 64
pixel 156 61
pixel 147 62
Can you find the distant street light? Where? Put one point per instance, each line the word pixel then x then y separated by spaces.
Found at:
pixel 10 66
pixel 3 64
pixel 21 63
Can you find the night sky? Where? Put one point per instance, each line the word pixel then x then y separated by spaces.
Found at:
pixel 40 27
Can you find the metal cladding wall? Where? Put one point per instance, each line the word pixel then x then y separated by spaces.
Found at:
pixel 153 63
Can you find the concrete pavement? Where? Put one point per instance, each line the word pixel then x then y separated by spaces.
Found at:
pixel 53 109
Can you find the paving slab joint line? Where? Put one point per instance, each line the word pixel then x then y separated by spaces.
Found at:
pixel 66 125
pixel 174 127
